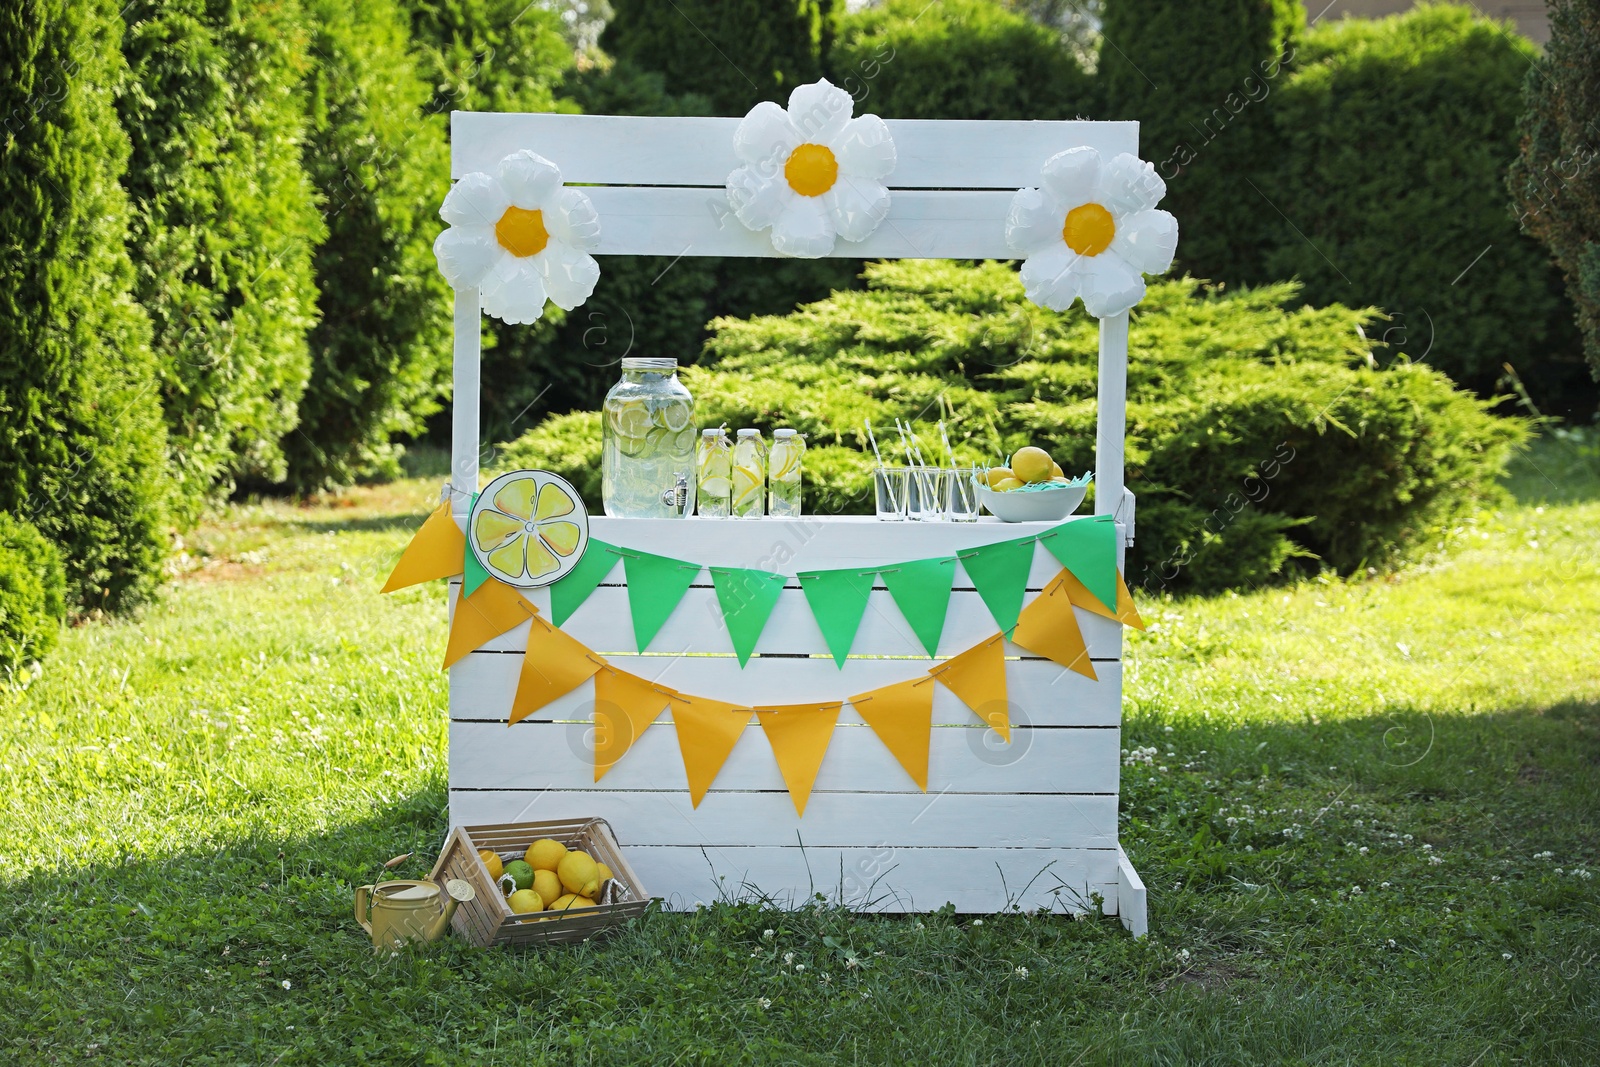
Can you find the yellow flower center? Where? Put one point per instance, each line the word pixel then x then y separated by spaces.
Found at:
pixel 521 232
pixel 811 170
pixel 1089 229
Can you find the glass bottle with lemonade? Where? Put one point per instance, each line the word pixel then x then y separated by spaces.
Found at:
pixel 647 440
pixel 783 473
pixel 714 474
pixel 749 480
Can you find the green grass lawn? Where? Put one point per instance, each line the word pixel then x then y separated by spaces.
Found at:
pixel 1366 812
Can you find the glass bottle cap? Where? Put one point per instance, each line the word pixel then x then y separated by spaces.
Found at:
pixel 783 433
pixel 749 433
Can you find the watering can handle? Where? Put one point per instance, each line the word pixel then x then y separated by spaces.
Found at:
pixel 363 904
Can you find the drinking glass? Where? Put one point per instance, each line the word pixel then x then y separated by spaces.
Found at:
pixel 963 494
pixel 927 500
pixel 891 485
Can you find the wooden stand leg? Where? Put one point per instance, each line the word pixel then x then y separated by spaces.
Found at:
pixel 1130 896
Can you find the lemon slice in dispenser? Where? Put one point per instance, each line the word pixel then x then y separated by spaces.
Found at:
pixel 528 528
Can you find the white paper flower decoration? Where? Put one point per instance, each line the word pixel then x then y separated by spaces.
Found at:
pixel 811 172
pixel 519 236
pixel 1090 230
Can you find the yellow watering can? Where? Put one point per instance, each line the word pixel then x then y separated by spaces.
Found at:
pixel 398 912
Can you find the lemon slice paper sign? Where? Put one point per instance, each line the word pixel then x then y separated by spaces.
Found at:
pixel 528 528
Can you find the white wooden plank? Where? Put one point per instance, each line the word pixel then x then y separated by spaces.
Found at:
pixel 464 410
pixel 629 150
pixel 883 877
pixel 819 542
pixel 1131 896
pixel 604 624
pixel 967 758
pixel 727 817
pixel 1111 418
pixel 1040 693
pixel 921 224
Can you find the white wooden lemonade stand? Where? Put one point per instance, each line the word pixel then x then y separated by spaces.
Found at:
pixel 1031 823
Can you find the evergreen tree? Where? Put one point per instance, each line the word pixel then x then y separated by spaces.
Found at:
pixel 1197 76
pixel 733 52
pixel 381 352
pixel 81 439
pixel 223 225
pixel 1555 182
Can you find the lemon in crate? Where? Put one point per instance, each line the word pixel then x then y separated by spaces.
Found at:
pixel 713 474
pixel 783 473
pixel 749 474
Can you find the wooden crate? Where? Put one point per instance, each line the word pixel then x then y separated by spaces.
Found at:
pixel 488 920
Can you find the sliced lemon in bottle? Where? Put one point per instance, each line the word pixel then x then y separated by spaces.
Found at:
pixel 631 419
pixel 675 415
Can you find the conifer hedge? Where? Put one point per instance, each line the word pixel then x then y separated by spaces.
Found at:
pixel 222 228
pixel 1263 438
pixel 82 445
pixel 380 164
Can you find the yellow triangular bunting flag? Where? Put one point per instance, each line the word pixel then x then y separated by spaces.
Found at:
pixel 707 732
pixel 489 612
pixel 1126 613
pixel 624 707
pixel 555 665
pixel 978 677
pixel 436 551
pixel 902 717
pixel 799 735
pixel 1048 627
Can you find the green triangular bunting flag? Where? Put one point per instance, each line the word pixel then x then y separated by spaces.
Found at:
pixel 1000 574
pixel 1088 548
pixel 921 589
pixel 472 572
pixel 838 599
pixel 655 585
pixel 747 598
pixel 573 588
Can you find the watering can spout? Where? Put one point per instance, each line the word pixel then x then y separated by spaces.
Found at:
pixel 457 892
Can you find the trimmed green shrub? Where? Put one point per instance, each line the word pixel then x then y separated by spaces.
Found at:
pixel 381 351
pixel 489 55
pixel 82 446
pixel 33 590
pixel 1199 78
pixel 1398 132
pixel 732 52
pixel 1261 440
pixel 222 227
pixel 959 59
pixel 1555 180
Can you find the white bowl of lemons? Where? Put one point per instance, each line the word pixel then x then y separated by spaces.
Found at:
pixel 1031 488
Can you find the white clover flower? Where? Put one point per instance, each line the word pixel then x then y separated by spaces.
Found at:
pixel 1505 955
pixel 788 958
pixel 287 984
pixel 1021 972
pixel 768 935
pixel 1090 230
pixel 519 236
pixel 811 172
pixel 977 922
pixel 764 1002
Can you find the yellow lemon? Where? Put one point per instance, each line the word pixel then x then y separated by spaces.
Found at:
pixel 524 901
pixel 1031 464
pixel 545 854
pixel 605 873
pixel 547 885
pixel 1006 485
pixel 1056 471
pixel 571 900
pixel 491 861
pixel 579 874
pixel 996 475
